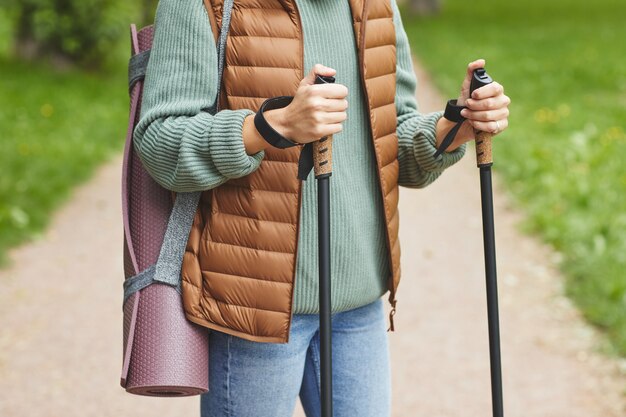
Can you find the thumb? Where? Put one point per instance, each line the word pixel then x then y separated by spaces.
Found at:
pixel 318 69
pixel 474 65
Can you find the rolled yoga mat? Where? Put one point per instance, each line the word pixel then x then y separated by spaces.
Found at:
pixel 165 354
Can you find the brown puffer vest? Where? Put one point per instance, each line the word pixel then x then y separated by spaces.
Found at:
pixel 239 266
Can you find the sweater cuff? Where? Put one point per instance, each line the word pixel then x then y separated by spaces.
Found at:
pixel 423 131
pixel 226 144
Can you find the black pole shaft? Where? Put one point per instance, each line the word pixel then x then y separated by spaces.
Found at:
pixel 323 205
pixel 489 241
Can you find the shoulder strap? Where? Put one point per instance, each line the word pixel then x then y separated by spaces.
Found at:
pixel 221 44
pixel 209 9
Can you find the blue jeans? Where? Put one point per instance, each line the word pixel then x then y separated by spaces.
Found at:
pixel 252 379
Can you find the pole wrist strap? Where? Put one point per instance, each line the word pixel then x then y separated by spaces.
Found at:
pixel 452 113
pixel 268 133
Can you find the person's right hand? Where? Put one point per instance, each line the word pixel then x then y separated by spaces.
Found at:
pixel 317 110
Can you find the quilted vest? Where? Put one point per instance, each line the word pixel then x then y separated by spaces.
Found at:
pixel 239 266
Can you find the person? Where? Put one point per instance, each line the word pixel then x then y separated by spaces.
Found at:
pixel 186 149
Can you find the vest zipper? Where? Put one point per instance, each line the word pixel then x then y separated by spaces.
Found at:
pixel 295 261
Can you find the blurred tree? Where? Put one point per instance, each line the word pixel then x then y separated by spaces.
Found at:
pixel 25 43
pixel 425 7
pixel 67 31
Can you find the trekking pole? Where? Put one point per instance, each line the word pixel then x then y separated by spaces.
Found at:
pixel 323 161
pixel 484 160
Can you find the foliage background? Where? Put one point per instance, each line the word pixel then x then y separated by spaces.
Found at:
pixel 60 118
pixel 564 156
pixel 69 31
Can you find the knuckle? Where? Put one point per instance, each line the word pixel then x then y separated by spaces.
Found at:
pixel 314 90
pixel 305 90
pixel 316 131
pixel 317 117
pixel 316 104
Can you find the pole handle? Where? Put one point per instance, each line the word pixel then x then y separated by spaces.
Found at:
pixel 323 148
pixel 323 156
pixel 483 148
pixel 484 156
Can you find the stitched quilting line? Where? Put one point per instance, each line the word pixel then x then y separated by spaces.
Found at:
pixel 245 307
pixel 247 247
pixel 261 66
pixel 236 96
pixel 246 217
pixel 239 276
pixel 262 189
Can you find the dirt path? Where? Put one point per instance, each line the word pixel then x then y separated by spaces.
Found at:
pixel 60 310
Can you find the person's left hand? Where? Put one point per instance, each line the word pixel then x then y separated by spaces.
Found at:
pixel 487 110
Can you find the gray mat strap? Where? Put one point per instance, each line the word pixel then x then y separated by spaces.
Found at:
pixel 175 240
pixel 137 68
pixel 141 281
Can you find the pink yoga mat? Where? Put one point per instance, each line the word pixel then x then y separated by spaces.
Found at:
pixel 164 353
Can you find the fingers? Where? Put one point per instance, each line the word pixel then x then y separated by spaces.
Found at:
pixel 490 103
pixel 332 105
pixel 330 111
pixel 330 129
pixel 490 90
pixel 318 69
pixel 331 117
pixel 328 91
pixel 474 65
pixel 465 86
pixel 487 108
pixel 491 127
pixel 486 115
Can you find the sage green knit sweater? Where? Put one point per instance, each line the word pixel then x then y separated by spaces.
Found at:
pixel 185 149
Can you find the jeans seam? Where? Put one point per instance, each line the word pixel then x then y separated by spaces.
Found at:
pixel 317 367
pixel 228 404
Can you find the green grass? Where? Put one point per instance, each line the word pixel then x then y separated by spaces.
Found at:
pixel 55 129
pixel 564 156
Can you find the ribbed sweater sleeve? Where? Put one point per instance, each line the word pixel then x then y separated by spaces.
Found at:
pixel 181 146
pixel 416 131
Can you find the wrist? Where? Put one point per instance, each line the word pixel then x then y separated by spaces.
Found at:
pixel 465 134
pixel 252 139
pixel 277 120
pixel 443 127
pixel 272 125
